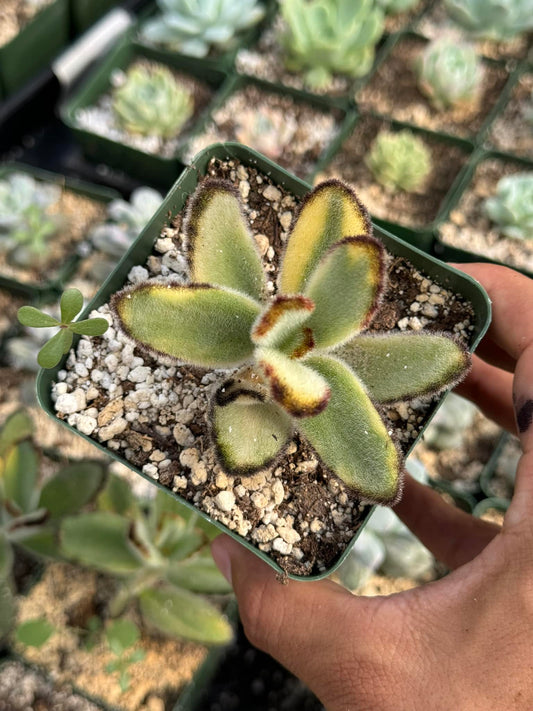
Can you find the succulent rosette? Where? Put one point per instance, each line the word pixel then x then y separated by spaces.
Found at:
pixel 299 360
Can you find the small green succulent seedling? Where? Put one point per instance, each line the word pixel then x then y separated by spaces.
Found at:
pixel 159 552
pixel 25 223
pixel 71 304
pixel 34 632
pixel 327 37
pixel 449 73
pixel 265 129
pixel 511 208
pixel 121 636
pixel 31 510
pixel 194 27
pixel 151 102
pixel 499 20
pixel 301 359
pixel 395 7
pixel 399 160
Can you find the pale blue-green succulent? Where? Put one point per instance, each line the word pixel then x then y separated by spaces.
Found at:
pixel 399 160
pixel 193 27
pixel 151 102
pixel 511 208
pixel 498 20
pixel 25 223
pixel 301 359
pixel 327 37
pixel 449 73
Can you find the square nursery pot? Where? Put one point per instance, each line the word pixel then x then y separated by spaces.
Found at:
pixel 465 233
pixel 142 248
pixel 411 216
pixel 147 167
pixel 55 279
pixel 35 45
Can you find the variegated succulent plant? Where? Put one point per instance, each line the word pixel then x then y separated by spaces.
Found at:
pixel 300 359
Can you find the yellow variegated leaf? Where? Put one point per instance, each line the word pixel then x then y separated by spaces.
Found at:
pixel 280 324
pixel 330 213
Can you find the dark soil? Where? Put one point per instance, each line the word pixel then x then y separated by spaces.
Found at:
pixel 393 91
pixel 416 209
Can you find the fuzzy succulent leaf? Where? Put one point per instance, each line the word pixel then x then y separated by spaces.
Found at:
pixel 327 37
pixel 71 488
pixel 71 303
pixel 367 461
pixel 102 540
pixel 329 213
pixel 180 613
pixel 116 496
pixel 52 352
pixel 17 427
pixel 249 432
pixel 345 287
pixel 222 250
pixel 199 574
pixel 151 102
pixel 20 472
pixel 6 557
pixel 400 366
pixel 41 540
pixel 280 324
pixel 399 160
pixel 499 20
pixel 35 318
pixel 511 208
pixel 205 326
pixel 7 608
pixel 449 73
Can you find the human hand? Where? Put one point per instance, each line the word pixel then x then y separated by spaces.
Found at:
pixel 464 642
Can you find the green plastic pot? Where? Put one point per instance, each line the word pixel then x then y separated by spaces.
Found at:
pixel 49 287
pixel 84 13
pixel 147 167
pixel 455 254
pixel 450 278
pixel 491 503
pixel 35 46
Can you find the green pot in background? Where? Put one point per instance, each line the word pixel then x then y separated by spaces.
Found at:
pixel 84 13
pixel 174 202
pixel 35 46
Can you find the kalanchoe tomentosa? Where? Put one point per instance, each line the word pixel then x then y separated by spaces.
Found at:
pixel 25 222
pixel 492 19
pixel 151 102
pixel 399 160
pixel 512 206
pixel 290 373
pixel 71 304
pixel 449 73
pixel 326 37
pixel 194 26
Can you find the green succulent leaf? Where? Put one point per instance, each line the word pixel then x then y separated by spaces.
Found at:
pixel 300 390
pixel 329 213
pixel 7 608
pixel 17 427
pixel 400 366
pixel 180 613
pixel 345 287
pixel 71 304
pixel 101 540
pixel 52 352
pixel 34 318
pixel 248 432
pixel 222 250
pixel 178 545
pixel 116 496
pixel 206 326
pixel 121 634
pixel 34 633
pixel 281 320
pixel 200 575
pixel 41 540
pixel 6 557
pixel 20 476
pixel 350 437
pixel 90 326
pixel 71 488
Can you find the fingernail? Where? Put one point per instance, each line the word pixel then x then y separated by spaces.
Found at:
pixel 221 556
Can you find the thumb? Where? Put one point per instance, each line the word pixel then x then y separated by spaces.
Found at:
pixel 304 625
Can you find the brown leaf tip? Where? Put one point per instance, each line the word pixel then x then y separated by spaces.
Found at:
pixel 280 306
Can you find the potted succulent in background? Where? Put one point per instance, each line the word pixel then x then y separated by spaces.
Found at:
pixel 33 33
pixel 295 383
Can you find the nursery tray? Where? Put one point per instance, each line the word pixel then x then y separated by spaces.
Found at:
pixel 447 276
pixel 50 287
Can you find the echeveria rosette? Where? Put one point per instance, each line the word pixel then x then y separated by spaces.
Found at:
pixel 302 360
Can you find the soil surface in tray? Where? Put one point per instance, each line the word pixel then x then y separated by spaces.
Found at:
pixel 393 91
pixel 470 229
pixel 512 131
pixel 416 209
pixel 15 15
pixel 156 415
